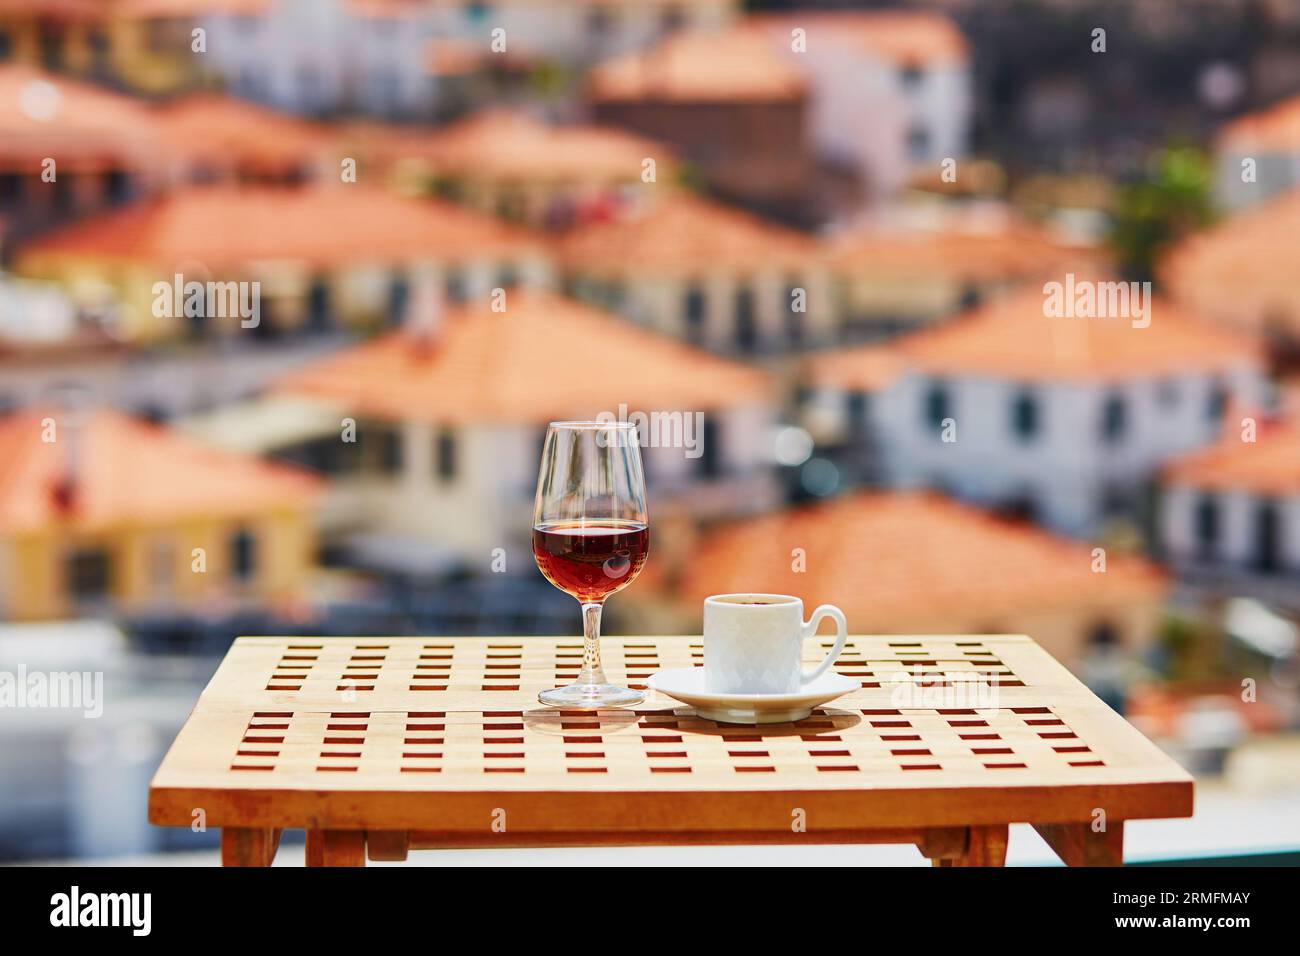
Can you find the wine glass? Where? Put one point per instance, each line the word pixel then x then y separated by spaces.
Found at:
pixel 591 536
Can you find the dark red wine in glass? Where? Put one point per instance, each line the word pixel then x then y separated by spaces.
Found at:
pixel 593 561
pixel 591 536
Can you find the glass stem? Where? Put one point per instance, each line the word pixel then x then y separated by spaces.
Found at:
pixel 592 672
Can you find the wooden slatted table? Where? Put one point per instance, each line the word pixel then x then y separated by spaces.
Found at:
pixel 379 745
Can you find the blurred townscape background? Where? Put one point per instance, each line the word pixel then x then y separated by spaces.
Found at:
pixel 813 235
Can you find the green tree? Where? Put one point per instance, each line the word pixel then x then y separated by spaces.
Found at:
pixel 1170 200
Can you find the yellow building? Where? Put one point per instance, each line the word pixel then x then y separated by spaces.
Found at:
pixel 145 45
pixel 101 513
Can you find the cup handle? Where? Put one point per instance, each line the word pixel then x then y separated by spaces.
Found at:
pixel 810 674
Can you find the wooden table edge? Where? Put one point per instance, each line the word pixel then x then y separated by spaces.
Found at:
pixel 698 810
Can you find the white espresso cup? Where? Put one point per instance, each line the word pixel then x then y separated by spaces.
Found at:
pixel 753 643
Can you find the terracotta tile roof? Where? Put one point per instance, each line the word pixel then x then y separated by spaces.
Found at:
pixel 197 128
pixel 544 358
pixel 900 37
pixel 901 560
pixel 1242 269
pixel 386 9
pixel 44 114
pixel 751 59
pixel 131 472
pixel 1273 129
pixel 1010 337
pixel 867 368
pixel 682 233
pixel 62 9
pixel 1000 247
pixel 733 64
pixel 511 144
pixel 187 8
pixel 1268 466
pixel 331 225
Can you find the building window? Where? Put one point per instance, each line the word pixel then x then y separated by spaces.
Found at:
pixel 911 76
pixel 510 204
pixel 859 407
pixel 1103 636
pixel 250 81
pixel 918 142
pixel 386 87
pixel 455 287
pixel 1021 507
pixel 693 309
pixel 746 320
pixel 100 63
pixel 243 555
pixel 507 276
pixel 1268 538
pixel 600 22
pixel 1024 415
pixel 1167 393
pixel 6 45
pixel 399 294
pixel 162 567
pixel 11 190
pixel 90 574
pixel 342 458
pixel 613 295
pixel 196 322
pixel 50 45
pixel 794 319
pixel 477 12
pixel 445 454
pixel 1217 403
pixel 117 187
pixel 710 460
pixel 1114 418
pixel 1207 527
pixel 390 450
pixel 320 313
pixel 938 405
pixel 1116 501
pixel 672 18
pixel 65 195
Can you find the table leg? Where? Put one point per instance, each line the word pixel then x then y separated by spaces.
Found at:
pixel 984 845
pixel 388 845
pixel 248 846
pixel 1077 844
pixel 336 848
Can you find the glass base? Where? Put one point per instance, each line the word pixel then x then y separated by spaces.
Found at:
pixel 591 696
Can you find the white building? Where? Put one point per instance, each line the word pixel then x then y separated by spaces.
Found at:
pixel 319 56
pixel 891 91
pixel 1063 420
pixel 384 57
pixel 450 421
pixel 710 274
pixel 1230 514
pixel 576 31
pixel 1257 156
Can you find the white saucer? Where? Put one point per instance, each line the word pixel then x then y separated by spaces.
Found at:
pixel 687 685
